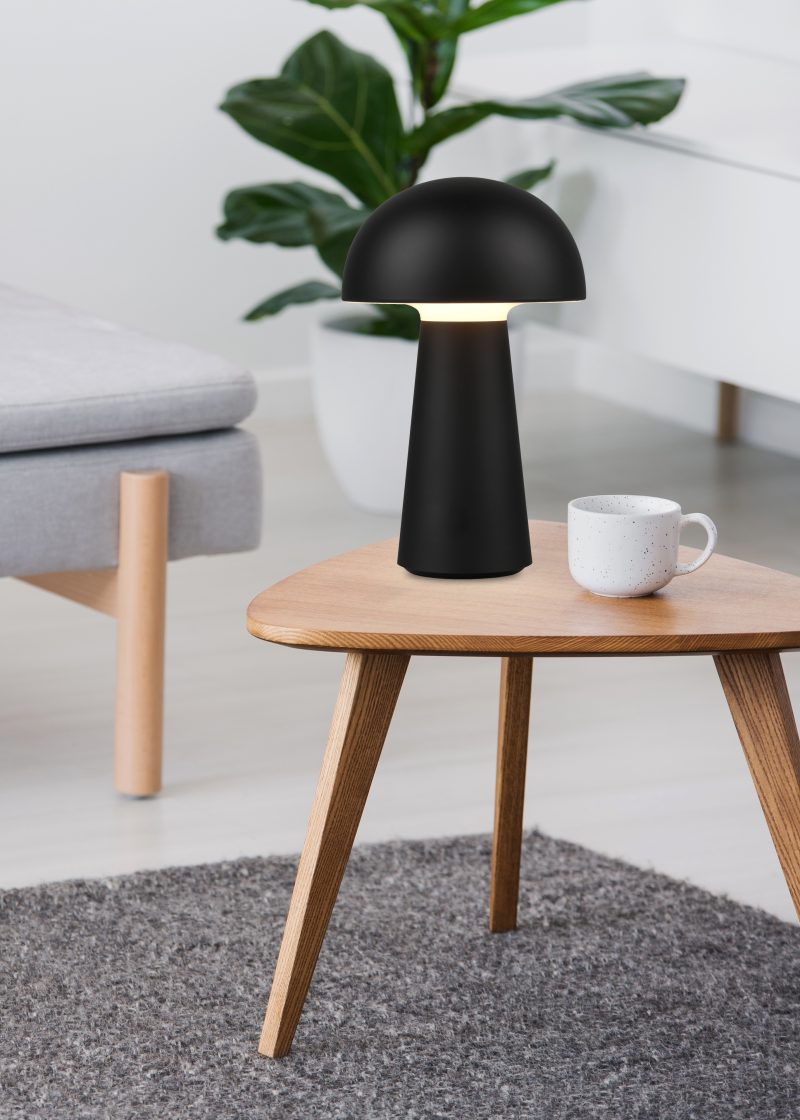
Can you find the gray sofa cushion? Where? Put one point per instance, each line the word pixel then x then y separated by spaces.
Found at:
pixel 67 378
pixel 59 509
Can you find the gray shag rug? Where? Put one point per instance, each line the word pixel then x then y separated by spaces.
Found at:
pixel 623 994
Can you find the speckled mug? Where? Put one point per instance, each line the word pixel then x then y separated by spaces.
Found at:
pixel 625 545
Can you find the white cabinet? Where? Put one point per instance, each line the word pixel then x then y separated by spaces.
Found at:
pixel 690 230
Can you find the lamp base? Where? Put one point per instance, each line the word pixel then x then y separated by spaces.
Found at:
pixel 462 575
pixel 464 513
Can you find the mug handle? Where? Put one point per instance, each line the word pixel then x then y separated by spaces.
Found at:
pixel 711 530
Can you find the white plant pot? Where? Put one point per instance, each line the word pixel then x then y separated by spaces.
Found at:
pixel 363 387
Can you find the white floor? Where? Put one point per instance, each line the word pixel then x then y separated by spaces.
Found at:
pixel 246 722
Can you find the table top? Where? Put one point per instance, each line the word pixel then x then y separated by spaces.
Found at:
pixel 362 600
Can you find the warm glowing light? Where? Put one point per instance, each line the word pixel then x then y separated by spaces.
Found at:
pixel 464 312
pixel 455 312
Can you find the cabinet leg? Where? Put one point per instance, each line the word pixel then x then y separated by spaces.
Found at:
pixel 728 403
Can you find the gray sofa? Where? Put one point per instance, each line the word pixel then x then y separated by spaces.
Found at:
pixel 119 452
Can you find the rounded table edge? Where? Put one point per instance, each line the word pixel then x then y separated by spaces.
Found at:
pixel 499 645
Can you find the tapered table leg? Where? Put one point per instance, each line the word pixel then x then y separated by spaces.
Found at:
pixel 756 691
pixel 512 753
pixel 364 708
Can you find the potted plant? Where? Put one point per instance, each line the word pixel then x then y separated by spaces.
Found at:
pixel 335 110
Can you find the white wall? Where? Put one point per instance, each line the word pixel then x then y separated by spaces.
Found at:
pixel 770 27
pixel 115 161
pixel 114 158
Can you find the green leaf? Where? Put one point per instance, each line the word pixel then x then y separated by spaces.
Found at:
pixel 293 214
pixel 408 18
pixel 528 179
pixel 441 58
pixel 422 20
pixel 431 65
pixel 334 248
pixel 289 214
pixel 495 11
pixel 618 102
pixel 309 292
pixel 427 34
pixel 396 321
pixel 333 109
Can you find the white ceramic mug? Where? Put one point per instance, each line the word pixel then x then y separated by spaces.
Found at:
pixel 626 545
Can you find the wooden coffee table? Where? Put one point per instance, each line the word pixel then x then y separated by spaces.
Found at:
pixel 363 604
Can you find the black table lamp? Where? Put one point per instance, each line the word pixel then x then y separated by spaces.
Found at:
pixel 463 252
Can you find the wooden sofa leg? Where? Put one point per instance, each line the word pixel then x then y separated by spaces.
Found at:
pixel 141 604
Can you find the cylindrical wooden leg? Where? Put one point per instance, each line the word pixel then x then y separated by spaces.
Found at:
pixel 512 754
pixel 369 690
pixel 141 603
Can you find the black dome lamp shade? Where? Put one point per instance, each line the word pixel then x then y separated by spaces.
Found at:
pixel 463 251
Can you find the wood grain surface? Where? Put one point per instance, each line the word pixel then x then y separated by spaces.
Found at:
pixel 363 600
pixel 755 688
pixel 96 589
pixel 509 797
pixel 364 708
pixel 141 618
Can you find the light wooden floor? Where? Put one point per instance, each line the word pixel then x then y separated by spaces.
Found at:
pixel 246 722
